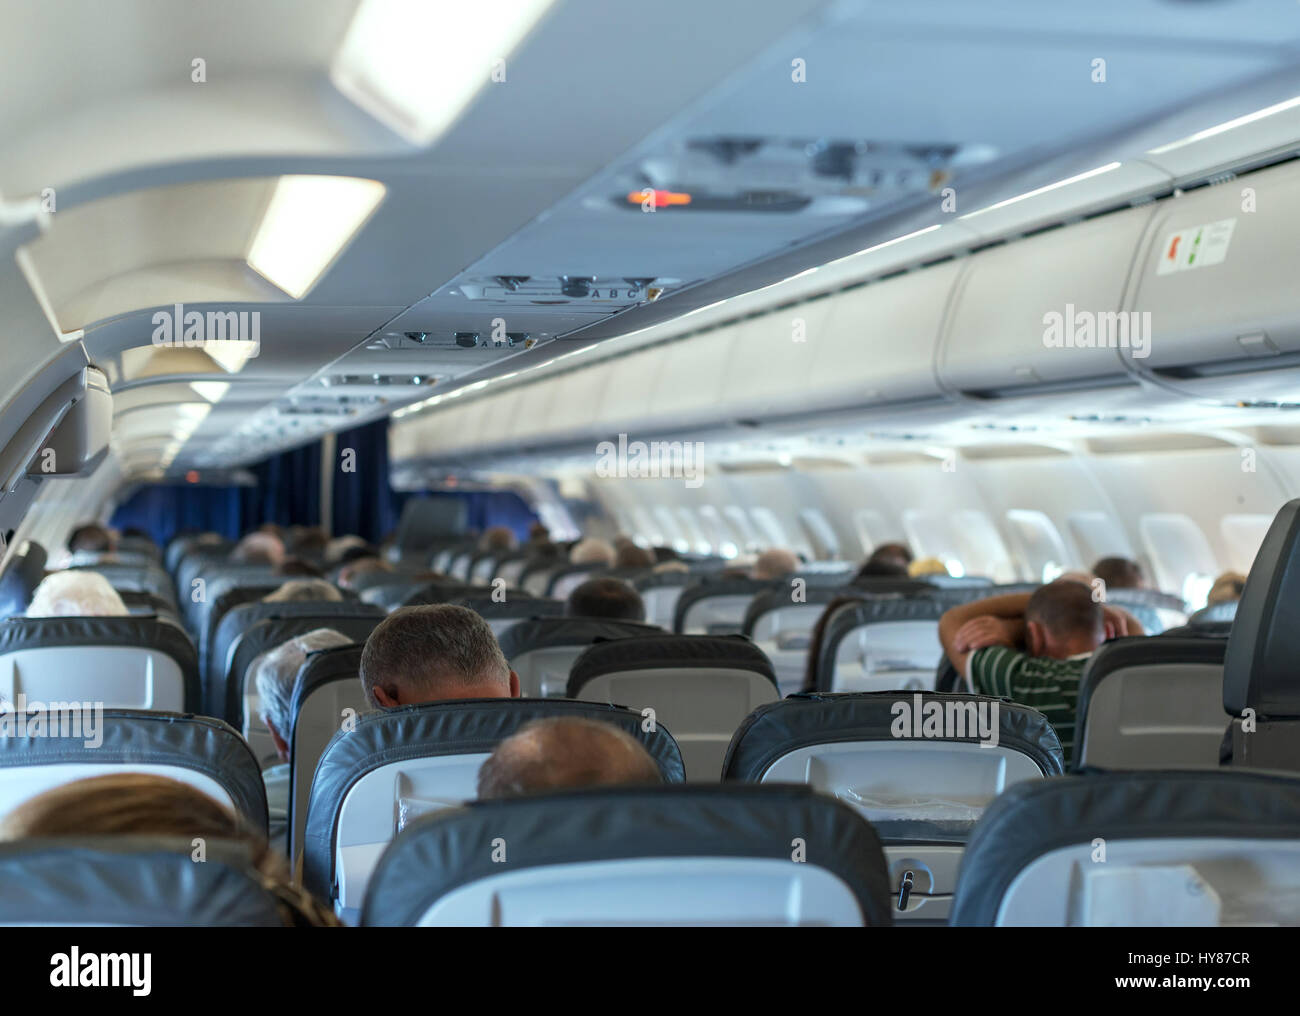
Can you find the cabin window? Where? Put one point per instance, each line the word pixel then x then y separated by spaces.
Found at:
pixel 1182 560
pixel 1039 547
pixel 1098 535
pixel 825 544
pixel 1242 537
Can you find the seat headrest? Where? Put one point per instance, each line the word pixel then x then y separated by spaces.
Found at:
pixel 443 851
pixel 1264 644
pixel 201 744
pixel 338 663
pixel 709 587
pixel 869 611
pixel 132 881
pixel 146 631
pixel 435 729
pixel 777 728
pixel 1036 817
pixel 656 652
pixel 548 632
pixel 515 605
pixel 441 591
pixel 776 599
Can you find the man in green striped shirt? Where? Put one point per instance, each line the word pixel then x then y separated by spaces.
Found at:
pixel 1032 647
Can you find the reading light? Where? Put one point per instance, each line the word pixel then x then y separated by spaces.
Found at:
pixel 309 220
pixel 415 65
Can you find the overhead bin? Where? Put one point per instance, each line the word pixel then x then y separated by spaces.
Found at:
pixel 1043 312
pixel 1218 277
pixel 692 382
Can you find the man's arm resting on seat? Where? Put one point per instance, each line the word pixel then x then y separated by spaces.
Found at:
pixel 996 621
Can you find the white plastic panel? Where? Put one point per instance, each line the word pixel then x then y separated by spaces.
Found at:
pixel 692 377
pixel 670 892
pixel 772 357
pixel 1202 312
pixel 1159 883
pixel 1097 535
pixel 995 338
pixel 890 655
pixel 629 387
pixel 1180 555
pixel 382 802
pixel 1038 544
pixel 115 677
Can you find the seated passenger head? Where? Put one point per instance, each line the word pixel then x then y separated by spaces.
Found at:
pixel 359 566
pixel 1062 619
pixel 309 540
pixel 613 599
pixel 497 539
pixel 538 533
pixel 629 555
pixel 258 548
pixel 76 593
pixel 926 566
pixel 91 538
pixel 898 551
pixel 564 753
pixel 274 673
pixel 336 548
pixel 885 565
pixel 432 654
pixel 1076 576
pixel 592 550
pixel 776 563
pixel 303 591
pixel 666 554
pixel 1227 588
pixel 144 804
pixel 1119 573
pixel 297 567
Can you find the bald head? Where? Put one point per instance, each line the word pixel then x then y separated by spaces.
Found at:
pixel 564 753
pixel 1064 620
pixel 776 563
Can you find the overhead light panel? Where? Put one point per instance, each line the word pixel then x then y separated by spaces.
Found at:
pixel 415 65
pixel 1228 125
pixel 308 222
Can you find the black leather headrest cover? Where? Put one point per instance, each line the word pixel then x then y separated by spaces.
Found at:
pixel 654 652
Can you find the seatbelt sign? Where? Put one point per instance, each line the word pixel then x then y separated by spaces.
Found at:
pixel 1196 247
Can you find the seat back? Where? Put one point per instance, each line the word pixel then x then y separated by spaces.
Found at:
pixel 880 645
pixel 781 622
pixel 666 856
pixel 365 791
pixel 1260 691
pixel 132 881
pixel 541 650
pixel 1152 704
pixel 502 615
pixel 717 606
pixel 1170 848
pixel 659 592
pixel 267 634
pixel 920 766
pixel 701 686
pixel 1154 609
pixel 129 662
pixel 327 696
pixel 228 694
pixel 565 580
pixel 73 744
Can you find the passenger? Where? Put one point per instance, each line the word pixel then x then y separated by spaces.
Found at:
pixel 564 753
pixel 258 548
pixel 497 540
pixel 431 654
pixel 631 556
pixel 880 565
pixel 1119 573
pixel 303 591
pixel 592 550
pixel 899 551
pixel 1087 578
pixel 926 566
pixel 143 804
pixel 666 554
pixel 273 674
pixel 775 563
pixel 76 593
pixel 309 541
pixel 670 566
pixel 1032 647
pixel 609 598
pixel 1227 588
pixel 538 533
pixel 340 545
pixel 298 568
pixel 357 567
pixel 91 538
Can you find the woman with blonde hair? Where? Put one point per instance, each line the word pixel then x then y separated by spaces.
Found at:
pixel 142 804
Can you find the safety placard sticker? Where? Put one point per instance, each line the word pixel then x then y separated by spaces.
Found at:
pixel 1197 247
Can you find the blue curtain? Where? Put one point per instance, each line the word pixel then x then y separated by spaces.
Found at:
pixel 486 508
pixel 363 501
pixel 163 511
